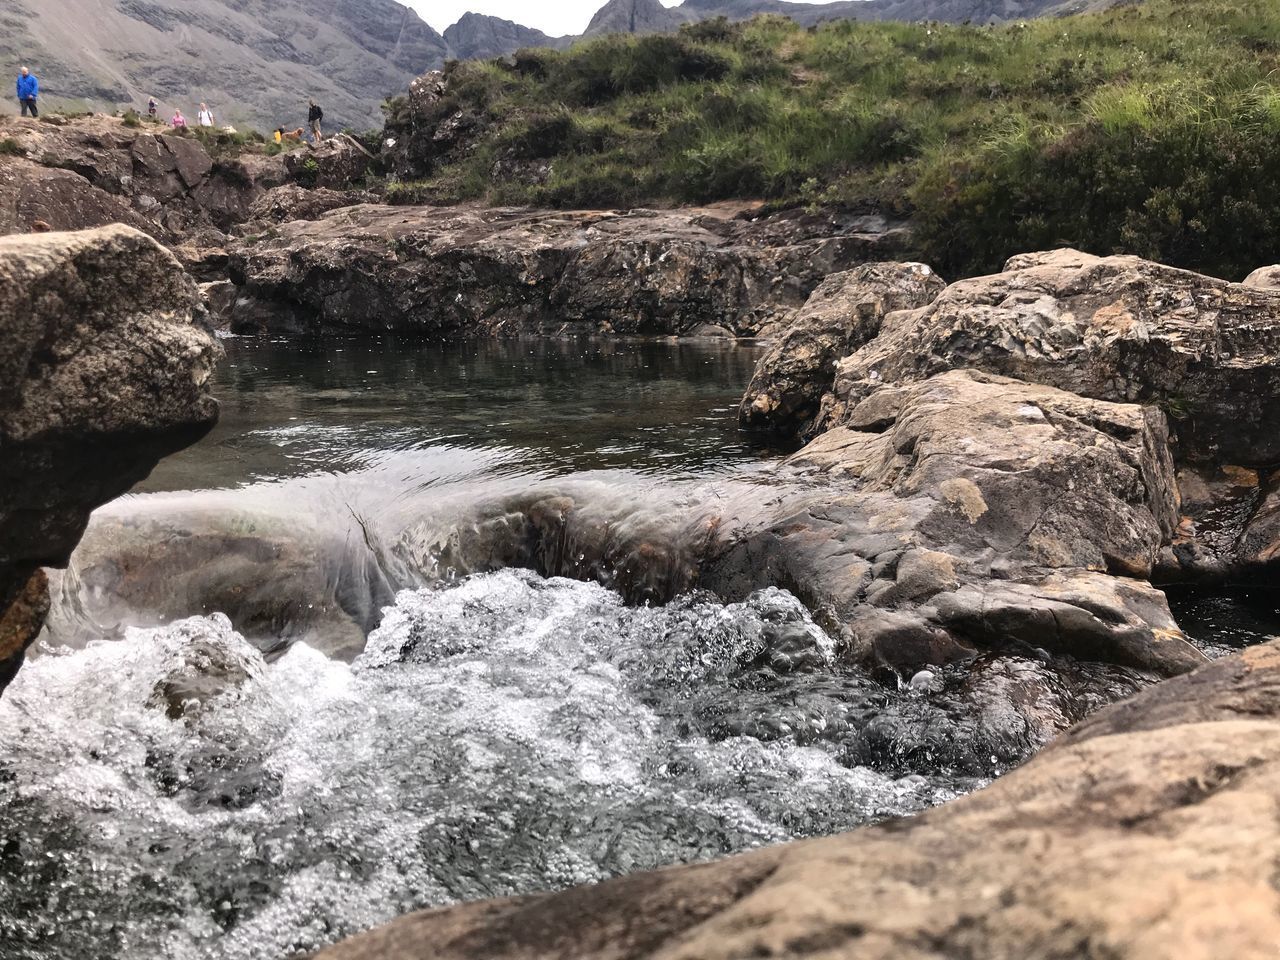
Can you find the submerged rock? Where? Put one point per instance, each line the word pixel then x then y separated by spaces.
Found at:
pixel 1113 328
pixel 104 365
pixel 465 271
pixel 844 313
pixel 983 513
pixel 279 577
pixel 1130 805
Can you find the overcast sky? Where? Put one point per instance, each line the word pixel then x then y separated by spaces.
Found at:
pixel 554 17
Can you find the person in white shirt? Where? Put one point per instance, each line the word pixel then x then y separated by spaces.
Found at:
pixel 205 117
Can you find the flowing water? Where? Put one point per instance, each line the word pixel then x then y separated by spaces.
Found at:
pixel 288 691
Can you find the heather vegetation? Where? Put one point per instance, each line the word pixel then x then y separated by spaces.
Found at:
pixel 1152 129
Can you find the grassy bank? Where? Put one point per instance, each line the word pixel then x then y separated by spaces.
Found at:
pixel 1152 129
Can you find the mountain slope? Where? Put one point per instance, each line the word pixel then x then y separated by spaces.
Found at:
pixel 257 61
pixel 254 61
pixel 477 37
pixel 636 16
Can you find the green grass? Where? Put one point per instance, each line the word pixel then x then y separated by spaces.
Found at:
pixel 1152 129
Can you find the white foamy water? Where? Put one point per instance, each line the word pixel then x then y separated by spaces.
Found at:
pixel 173 795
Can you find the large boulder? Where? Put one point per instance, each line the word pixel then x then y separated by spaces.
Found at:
pixel 1114 328
pixel 466 271
pixel 34 198
pixel 104 367
pixel 102 170
pixel 844 312
pixel 336 163
pixel 1148 831
pixel 972 511
pixel 291 202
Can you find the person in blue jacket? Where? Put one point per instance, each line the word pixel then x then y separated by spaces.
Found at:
pixel 28 90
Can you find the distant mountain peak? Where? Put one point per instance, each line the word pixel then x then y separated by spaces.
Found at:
pixel 477 36
pixel 634 16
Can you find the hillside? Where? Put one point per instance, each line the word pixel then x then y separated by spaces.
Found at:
pixel 650 16
pixel 257 61
pixel 254 61
pixel 1148 128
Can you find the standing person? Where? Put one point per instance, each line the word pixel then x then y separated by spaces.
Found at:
pixel 314 116
pixel 179 122
pixel 28 91
pixel 153 108
pixel 205 117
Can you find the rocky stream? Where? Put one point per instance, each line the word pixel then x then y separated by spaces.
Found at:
pixel 512 554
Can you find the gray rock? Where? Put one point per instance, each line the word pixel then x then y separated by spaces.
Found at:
pixel 466 271
pixel 844 312
pixel 291 202
pixel 336 163
pixel 93 171
pixel 968 522
pixel 1112 328
pixel 104 367
pixel 1264 278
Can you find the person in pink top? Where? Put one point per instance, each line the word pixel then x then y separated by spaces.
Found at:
pixel 179 122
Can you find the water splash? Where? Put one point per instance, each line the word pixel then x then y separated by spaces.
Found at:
pixel 172 794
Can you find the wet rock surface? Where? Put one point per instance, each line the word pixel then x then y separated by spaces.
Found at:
pixel 985 513
pixel 104 362
pixel 1147 830
pixel 501 272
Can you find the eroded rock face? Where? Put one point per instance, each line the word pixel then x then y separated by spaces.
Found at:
pixel 291 202
pixel 104 363
pixel 95 171
pixel 973 510
pixel 494 272
pixel 1147 831
pixel 844 312
pixel 1113 328
pixel 337 162
pixel 35 198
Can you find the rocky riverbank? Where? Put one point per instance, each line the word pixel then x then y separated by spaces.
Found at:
pixel 473 272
